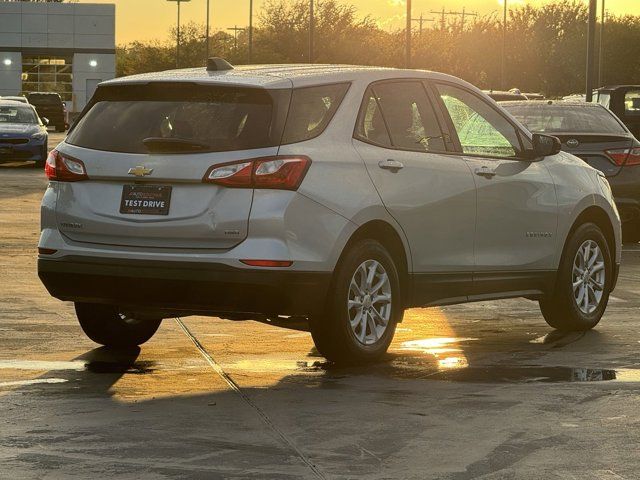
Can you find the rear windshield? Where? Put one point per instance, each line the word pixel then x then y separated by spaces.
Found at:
pixel 190 118
pixel 44 99
pixel 561 118
pixel 17 114
pixel 181 118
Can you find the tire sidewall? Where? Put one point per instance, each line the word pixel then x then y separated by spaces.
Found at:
pixel 588 231
pixel 361 252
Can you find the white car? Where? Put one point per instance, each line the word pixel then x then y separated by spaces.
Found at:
pixel 333 196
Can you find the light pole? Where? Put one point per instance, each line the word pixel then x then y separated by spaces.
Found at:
pixel 250 29
pixel 178 31
pixel 408 37
pixel 312 27
pixel 504 47
pixel 207 33
pixel 603 19
pixel 591 42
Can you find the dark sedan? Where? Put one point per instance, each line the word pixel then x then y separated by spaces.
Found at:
pixel 593 133
pixel 23 136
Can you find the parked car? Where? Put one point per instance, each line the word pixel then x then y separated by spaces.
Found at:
pixel 15 98
pixel 328 195
pixel 624 101
pixel 23 136
pixel 49 105
pixel 592 132
pixel 500 96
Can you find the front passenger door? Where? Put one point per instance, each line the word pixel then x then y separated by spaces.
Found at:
pixel 516 198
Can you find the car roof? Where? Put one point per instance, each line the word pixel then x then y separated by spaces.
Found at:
pixel 277 76
pixel 14 102
pixel 564 103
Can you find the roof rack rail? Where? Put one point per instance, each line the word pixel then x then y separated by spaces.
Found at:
pixel 217 64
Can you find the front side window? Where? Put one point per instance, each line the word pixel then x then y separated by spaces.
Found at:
pixel 632 102
pixel 311 110
pixel 409 116
pixel 480 128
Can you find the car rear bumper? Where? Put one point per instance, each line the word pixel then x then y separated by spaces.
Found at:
pixel 184 287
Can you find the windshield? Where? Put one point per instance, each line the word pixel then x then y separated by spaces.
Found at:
pixel 560 118
pixel 181 118
pixel 17 114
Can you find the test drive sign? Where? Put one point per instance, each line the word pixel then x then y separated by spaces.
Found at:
pixel 145 199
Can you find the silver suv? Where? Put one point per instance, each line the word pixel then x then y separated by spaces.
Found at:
pixel 329 197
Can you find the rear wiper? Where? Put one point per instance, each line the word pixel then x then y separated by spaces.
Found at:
pixel 173 145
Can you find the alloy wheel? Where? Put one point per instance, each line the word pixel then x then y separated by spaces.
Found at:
pixel 588 277
pixel 369 302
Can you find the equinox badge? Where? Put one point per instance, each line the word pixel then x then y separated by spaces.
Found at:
pixel 140 171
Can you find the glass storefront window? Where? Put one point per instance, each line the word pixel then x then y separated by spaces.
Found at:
pixel 41 73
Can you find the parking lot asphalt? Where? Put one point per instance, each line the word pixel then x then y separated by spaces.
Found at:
pixel 477 391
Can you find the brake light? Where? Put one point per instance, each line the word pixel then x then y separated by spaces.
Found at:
pixel 624 156
pixel 64 169
pixel 280 172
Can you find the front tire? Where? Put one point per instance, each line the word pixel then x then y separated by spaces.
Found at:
pixel 583 283
pixel 363 306
pixel 105 325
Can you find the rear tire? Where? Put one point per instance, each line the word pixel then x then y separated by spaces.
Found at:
pixel 363 306
pixel 105 325
pixel 583 282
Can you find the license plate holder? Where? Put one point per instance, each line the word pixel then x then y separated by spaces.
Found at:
pixel 145 199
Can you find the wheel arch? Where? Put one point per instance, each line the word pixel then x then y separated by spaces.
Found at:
pixel 598 216
pixel 389 237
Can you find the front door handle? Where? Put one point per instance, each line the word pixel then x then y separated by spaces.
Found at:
pixel 390 164
pixel 485 172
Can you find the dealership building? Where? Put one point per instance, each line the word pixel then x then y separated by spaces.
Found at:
pixel 56 47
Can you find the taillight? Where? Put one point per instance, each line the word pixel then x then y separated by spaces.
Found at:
pixel 624 156
pixel 280 172
pixel 64 169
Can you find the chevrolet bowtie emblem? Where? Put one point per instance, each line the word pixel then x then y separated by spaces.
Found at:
pixel 140 171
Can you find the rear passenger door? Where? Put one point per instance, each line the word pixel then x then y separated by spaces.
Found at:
pixel 429 193
pixel 516 201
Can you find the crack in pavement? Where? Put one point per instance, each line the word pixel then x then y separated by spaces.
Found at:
pixel 236 388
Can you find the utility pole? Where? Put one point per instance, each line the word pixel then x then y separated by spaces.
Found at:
pixel 178 31
pixel 235 29
pixel 463 14
pixel 408 37
pixel 603 20
pixel 591 40
pixel 207 33
pixel 312 27
pixel 250 30
pixel 421 20
pixel 503 61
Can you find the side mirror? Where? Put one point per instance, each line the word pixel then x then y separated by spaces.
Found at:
pixel 545 145
pixel 45 120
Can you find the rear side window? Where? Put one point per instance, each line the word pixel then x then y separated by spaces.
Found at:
pixel 312 108
pixel 371 126
pixel 181 118
pixel 632 102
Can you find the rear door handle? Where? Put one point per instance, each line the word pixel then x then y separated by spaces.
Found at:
pixel 485 172
pixel 390 164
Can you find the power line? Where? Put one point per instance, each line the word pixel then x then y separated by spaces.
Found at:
pixel 443 14
pixel 421 20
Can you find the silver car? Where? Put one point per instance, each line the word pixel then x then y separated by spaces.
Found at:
pixel 314 196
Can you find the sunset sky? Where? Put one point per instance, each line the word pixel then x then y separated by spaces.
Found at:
pixel 152 19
